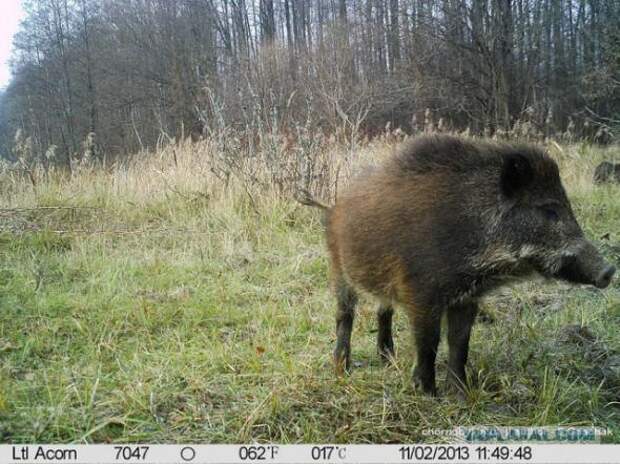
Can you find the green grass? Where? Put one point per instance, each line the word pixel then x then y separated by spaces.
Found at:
pixel 213 322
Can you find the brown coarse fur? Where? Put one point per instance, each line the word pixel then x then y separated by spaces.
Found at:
pixel 417 214
pixel 433 228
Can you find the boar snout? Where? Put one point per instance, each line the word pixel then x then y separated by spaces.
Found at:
pixel 605 276
pixel 585 265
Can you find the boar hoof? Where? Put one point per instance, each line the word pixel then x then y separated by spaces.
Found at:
pixel 385 349
pixel 604 278
pixel 461 396
pixel 424 382
pixel 342 362
pixel 458 386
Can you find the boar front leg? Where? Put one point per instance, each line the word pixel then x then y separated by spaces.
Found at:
pixel 385 342
pixel 426 327
pixel 460 320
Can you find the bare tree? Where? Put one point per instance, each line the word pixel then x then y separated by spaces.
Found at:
pixel 138 72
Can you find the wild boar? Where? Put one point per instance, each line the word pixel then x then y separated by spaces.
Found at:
pixel 440 224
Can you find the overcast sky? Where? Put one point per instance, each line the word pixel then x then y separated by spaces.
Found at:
pixel 10 15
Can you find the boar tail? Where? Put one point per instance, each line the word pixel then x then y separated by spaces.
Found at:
pixel 305 198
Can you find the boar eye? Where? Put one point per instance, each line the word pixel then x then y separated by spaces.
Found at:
pixel 550 213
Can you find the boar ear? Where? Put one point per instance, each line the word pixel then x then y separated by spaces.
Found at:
pixel 517 173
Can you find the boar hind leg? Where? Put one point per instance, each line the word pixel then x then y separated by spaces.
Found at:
pixel 347 299
pixel 426 331
pixel 385 343
pixel 460 320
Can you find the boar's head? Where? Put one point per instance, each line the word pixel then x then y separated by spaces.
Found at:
pixel 537 221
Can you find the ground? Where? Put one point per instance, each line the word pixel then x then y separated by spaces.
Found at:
pixel 151 303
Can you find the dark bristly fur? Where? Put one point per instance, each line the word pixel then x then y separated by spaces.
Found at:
pixel 443 221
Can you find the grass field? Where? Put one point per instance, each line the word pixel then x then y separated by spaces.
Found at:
pixel 168 307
